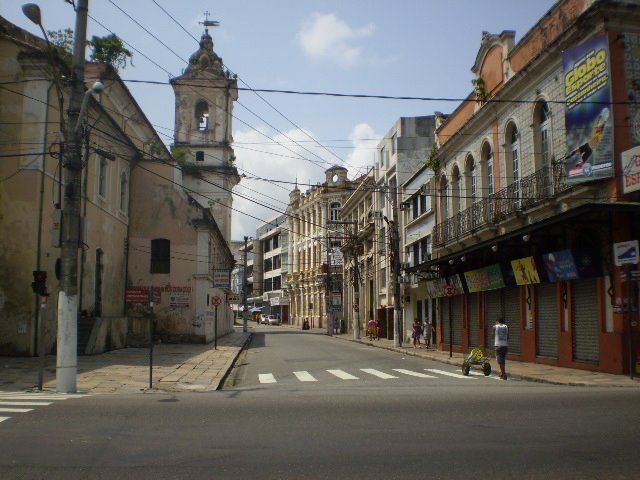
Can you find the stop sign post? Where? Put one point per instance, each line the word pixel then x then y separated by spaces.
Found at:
pixel 215 301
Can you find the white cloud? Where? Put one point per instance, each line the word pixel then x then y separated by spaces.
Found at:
pixel 325 37
pixel 364 140
pixel 282 161
pixel 287 160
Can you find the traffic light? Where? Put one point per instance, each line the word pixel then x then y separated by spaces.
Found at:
pixel 39 284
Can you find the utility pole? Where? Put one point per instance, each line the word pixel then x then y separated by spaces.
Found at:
pixel 356 284
pixel 244 288
pixel 395 240
pixel 327 288
pixel 67 355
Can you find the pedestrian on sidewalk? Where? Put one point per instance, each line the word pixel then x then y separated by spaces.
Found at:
pixel 501 342
pixel 371 329
pixel 417 333
pixel 378 330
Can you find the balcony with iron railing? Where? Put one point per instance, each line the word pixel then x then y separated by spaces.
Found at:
pixel 520 195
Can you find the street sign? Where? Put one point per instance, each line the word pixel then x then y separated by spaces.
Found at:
pixel 625 253
pixel 356 307
pixel 449 291
pixel 215 300
pixel 234 298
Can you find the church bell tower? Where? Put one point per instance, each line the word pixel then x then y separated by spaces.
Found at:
pixel 204 94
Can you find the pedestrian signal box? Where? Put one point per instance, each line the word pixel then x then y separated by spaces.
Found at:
pixel 39 284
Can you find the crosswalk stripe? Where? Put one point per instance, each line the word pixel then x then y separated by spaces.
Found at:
pixel 15 410
pixel 412 373
pixel 342 375
pixel 304 376
pixel 25 396
pixel 267 378
pixel 378 373
pixel 2 419
pixel 25 404
pixel 448 374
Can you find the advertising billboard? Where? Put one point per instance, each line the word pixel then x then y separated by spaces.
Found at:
pixel 525 271
pixel 587 113
pixel 482 279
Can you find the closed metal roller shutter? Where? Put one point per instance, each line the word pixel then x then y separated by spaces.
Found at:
pixel 586 331
pixel 512 317
pixel 457 319
pixel 492 310
pixel 444 318
pixel 547 326
pixel 474 321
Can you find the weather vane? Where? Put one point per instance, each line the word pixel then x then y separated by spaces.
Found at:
pixel 207 22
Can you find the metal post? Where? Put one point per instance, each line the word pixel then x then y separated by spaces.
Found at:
pixel 152 332
pixel 215 329
pixel 627 272
pixel 67 356
pixel 40 350
pixel 450 328
pixel 244 288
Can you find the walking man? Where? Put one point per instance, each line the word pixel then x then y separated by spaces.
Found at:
pixel 501 342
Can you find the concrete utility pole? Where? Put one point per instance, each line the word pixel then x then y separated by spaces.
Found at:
pixel 356 275
pixel 67 355
pixel 327 288
pixel 356 285
pixel 395 239
pixel 244 288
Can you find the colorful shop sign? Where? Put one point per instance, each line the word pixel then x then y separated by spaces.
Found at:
pixel 630 163
pixel 441 287
pixel 525 271
pixel 482 279
pixel 560 266
pixel 588 116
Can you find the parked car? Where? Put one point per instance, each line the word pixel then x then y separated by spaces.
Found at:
pixel 263 318
pixel 272 320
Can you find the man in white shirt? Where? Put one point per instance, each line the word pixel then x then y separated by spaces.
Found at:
pixel 501 342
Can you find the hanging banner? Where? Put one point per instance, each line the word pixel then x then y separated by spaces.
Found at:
pixel 560 266
pixel 482 279
pixel 525 271
pixel 588 116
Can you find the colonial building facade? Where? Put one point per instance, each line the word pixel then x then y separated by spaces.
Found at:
pixel 314 249
pixel 531 193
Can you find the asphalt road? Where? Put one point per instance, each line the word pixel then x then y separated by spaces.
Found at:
pixel 371 428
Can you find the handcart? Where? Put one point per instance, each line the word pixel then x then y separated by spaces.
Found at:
pixel 477 358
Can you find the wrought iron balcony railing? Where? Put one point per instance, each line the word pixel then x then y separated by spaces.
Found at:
pixel 520 195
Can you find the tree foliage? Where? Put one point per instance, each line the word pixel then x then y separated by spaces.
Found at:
pixel 108 49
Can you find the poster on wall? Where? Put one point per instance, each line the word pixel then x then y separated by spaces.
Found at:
pixel 483 279
pixel 560 266
pixel 525 271
pixel 587 113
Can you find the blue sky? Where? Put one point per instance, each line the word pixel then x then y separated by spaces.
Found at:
pixel 419 48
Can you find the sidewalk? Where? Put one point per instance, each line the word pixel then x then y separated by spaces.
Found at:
pixel 200 368
pixel 534 372
pixel 176 368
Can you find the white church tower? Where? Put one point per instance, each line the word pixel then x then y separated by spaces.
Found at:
pixel 205 93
